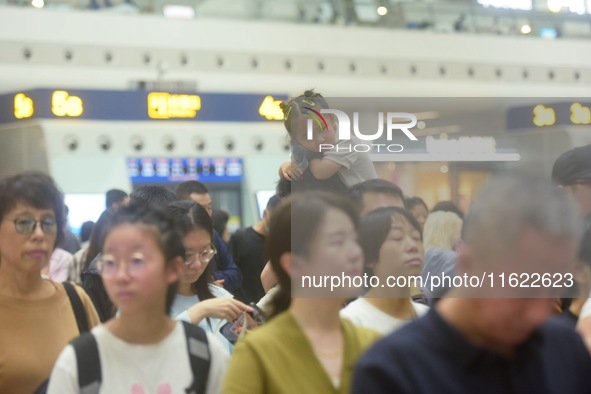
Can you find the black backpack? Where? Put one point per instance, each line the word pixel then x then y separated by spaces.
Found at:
pixel 81 321
pixel 89 364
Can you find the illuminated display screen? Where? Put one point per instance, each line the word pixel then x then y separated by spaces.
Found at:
pixel 167 170
pixel 549 114
pixel 139 105
pixel 166 106
pixel 23 106
pixel 62 104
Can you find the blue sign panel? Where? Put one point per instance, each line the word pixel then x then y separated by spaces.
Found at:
pixel 176 170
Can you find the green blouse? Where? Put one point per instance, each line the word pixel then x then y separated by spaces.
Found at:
pixel 278 359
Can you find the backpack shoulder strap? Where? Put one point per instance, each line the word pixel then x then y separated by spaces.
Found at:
pixel 88 363
pixel 199 356
pixel 79 312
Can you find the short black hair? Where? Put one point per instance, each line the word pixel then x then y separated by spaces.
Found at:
pixel 273 202
pixel 114 196
pixel 374 186
pixel 86 230
pixel 283 188
pixel 37 190
pixel 157 197
pixel 167 235
pixel 375 227
pixel 411 202
pixel 185 189
pixel 220 219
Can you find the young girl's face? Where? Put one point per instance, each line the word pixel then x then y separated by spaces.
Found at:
pixel 402 251
pixel 134 270
pixel 320 133
pixel 197 243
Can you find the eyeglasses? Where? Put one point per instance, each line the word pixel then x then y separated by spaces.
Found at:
pixel 107 265
pixel 586 182
pixel 28 225
pixel 204 256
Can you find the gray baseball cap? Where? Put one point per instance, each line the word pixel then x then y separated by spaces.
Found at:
pixel 573 166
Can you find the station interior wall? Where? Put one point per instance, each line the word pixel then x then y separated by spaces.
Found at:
pixel 87 50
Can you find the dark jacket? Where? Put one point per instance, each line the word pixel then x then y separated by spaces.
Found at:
pixel 92 283
pixel 224 266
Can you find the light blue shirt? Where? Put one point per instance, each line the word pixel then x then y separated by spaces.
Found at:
pixel 182 303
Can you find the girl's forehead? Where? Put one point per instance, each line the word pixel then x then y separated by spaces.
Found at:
pixel 124 231
pixel 197 236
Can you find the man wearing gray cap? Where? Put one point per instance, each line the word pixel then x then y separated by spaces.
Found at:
pixel 572 171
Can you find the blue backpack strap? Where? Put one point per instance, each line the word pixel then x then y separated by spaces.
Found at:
pixel 88 363
pixel 199 356
pixel 77 307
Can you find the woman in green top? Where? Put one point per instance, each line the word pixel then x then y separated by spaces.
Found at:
pixel 306 347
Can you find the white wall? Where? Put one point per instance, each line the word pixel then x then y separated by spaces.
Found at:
pixel 90 35
pixel 383 61
pixel 88 169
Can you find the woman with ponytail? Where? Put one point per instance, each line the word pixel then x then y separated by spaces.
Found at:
pixel 305 347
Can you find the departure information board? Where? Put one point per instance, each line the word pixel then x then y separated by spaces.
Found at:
pixel 136 105
pixel 176 170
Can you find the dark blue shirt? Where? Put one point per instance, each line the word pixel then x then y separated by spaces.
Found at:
pixel 430 356
pixel 224 266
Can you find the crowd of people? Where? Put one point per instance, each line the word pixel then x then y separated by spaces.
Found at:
pixel 157 301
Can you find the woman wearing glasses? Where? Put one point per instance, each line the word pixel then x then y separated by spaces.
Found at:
pixel 37 317
pixel 198 300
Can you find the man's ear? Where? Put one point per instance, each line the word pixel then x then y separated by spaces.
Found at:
pixel 582 273
pixel 464 260
pixel 285 262
pixel 174 270
pixel 579 273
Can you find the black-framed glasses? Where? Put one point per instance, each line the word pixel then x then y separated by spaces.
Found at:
pixel 27 225
pixel 586 182
pixel 205 256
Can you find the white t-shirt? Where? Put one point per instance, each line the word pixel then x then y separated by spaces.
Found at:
pixel 364 314
pixel 357 166
pixel 59 265
pixel 140 369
